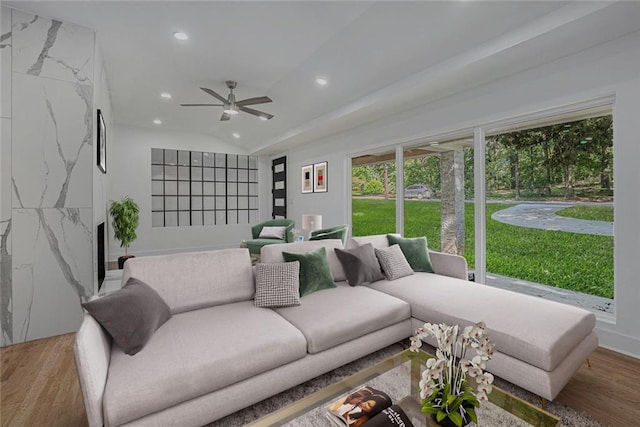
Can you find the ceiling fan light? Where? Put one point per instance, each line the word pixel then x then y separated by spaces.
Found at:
pixel 230 111
pixel 263 118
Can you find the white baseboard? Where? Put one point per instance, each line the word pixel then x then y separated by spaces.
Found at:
pixel 617 342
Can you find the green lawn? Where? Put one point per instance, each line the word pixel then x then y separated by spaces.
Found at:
pixel 578 262
pixel 594 213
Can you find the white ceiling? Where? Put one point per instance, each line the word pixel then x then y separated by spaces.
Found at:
pixel 378 56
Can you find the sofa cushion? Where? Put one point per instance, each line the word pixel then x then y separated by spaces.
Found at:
pixel 354 312
pixel 360 264
pixel 393 263
pixel 273 233
pixel 131 315
pixel 415 251
pixel 187 281
pixel 277 285
pixel 315 274
pixel 534 330
pixel 273 253
pixel 195 353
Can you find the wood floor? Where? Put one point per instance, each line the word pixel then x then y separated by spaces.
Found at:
pixel 39 386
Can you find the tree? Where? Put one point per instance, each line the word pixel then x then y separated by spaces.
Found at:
pixel 125 221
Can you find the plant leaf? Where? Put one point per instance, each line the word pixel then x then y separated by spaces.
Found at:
pixel 472 414
pixel 456 418
pixel 428 409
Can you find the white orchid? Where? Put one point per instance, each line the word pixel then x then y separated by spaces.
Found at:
pixel 450 367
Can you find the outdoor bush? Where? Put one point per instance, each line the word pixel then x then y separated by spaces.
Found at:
pixel 373 187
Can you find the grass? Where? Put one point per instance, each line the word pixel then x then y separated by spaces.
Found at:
pixel 593 213
pixel 577 262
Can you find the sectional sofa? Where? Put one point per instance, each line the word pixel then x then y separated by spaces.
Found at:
pixel 219 353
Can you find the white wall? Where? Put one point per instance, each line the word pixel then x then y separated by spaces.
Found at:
pixel 102 101
pixel 611 68
pixel 129 167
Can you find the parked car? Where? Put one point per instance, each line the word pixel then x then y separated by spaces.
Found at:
pixel 418 190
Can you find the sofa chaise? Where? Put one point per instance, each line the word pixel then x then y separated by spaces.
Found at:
pixel 219 353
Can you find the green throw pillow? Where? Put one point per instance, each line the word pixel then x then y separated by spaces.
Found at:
pixel 415 251
pixel 315 273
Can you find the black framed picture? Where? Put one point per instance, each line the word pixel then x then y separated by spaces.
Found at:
pixel 320 177
pixel 307 179
pixel 102 143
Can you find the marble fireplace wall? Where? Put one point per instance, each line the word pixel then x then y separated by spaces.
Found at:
pixel 6 311
pixel 46 179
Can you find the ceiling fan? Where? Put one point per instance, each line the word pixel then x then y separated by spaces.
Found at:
pixel 231 107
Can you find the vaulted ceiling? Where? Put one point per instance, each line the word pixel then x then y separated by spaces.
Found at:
pixel 380 58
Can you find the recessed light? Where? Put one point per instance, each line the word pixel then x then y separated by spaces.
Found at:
pixel 321 81
pixel 434 143
pixel 236 135
pixel 166 95
pixel 157 121
pixel 180 36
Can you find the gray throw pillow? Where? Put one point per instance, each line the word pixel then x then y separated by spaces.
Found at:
pixel 360 264
pixel 277 285
pixel 131 315
pixel 394 264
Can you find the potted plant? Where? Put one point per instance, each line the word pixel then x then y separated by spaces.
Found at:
pixel 125 221
pixel 444 387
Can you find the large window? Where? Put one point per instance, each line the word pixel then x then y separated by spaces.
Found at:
pixel 549 192
pixel 545 224
pixel 373 190
pixel 199 188
pixel 438 195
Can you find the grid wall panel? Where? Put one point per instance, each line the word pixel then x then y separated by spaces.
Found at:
pixel 195 188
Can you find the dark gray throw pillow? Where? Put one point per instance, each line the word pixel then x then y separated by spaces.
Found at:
pixel 131 315
pixel 360 264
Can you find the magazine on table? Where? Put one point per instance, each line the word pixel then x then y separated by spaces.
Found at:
pixel 369 407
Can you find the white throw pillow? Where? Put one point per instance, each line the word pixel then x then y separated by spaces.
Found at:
pixel 273 233
pixel 277 285
pixel 393 262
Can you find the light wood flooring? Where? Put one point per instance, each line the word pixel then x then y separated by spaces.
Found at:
pixel 39 386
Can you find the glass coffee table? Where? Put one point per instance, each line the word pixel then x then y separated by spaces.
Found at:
pixel 398 376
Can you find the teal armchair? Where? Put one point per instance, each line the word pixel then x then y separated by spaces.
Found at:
pixel 338 232
pixel 257 243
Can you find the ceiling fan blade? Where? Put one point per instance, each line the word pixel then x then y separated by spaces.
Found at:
pixel 254 101
pixel 225 117
pixel 256 112
pixel 201 105
pixel 214 94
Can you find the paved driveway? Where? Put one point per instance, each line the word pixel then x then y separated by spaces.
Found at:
pixel 543 216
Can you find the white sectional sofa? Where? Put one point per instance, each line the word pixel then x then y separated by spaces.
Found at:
pixel 219 353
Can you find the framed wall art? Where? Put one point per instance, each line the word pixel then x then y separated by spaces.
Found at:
pixel 307 179
pixel 320 177
pixel 102 143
